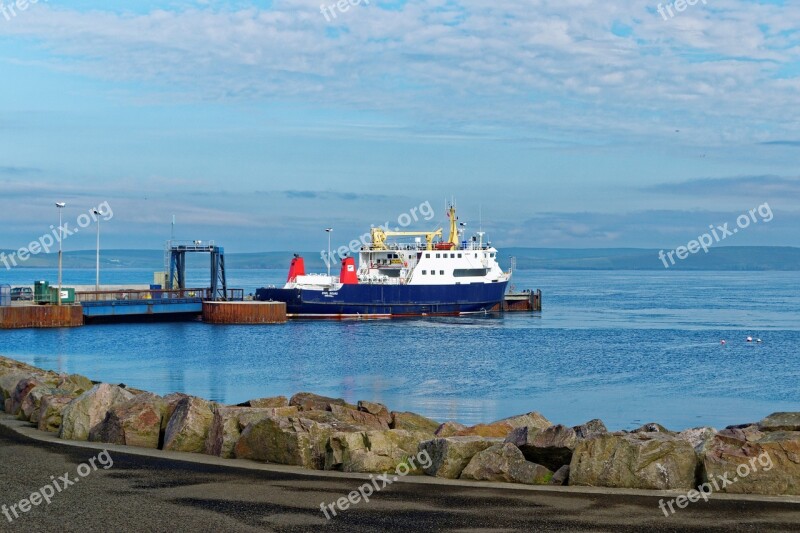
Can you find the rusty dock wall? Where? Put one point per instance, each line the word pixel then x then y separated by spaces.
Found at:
pixel 41 316
pixel 244 312
pixel 521 302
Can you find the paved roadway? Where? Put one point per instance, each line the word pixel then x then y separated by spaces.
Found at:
pixel 153 494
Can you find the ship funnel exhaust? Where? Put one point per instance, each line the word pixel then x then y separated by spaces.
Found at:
pixel 348 276
pixel 297 268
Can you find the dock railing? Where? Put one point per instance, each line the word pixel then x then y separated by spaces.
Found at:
pixel 160 295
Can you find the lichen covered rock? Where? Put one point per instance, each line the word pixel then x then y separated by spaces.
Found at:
pixel 188 426
pixel 374 451
pixel 551 447
pixel 89 409
pixel 413 422
pixel 136 422
pixel 769 465
pixel 229 422
pixel 51 411
pixel 285 440
pixel 505 463
pixel 659 461
pixel 449 456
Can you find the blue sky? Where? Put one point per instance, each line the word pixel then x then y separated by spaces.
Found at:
pixel 566 123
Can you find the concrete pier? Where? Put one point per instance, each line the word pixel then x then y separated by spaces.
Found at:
pixel 244 312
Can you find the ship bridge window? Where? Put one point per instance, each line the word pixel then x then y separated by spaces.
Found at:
pixel 452 256
pixel 427 256
pixel 470 272
pixel 424 272
pixel 433 272
pixel 441 272
pixel 438 256
pixel 459 256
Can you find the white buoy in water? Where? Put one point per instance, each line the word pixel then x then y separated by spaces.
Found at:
pixel 749 339
pixel 723 342
pixel 758 341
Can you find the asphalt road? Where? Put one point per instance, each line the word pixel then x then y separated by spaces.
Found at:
pixel 154 494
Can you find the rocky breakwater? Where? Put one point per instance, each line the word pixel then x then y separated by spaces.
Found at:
pixel 323 433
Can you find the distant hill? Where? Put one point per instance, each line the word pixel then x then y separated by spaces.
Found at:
pixel 719 258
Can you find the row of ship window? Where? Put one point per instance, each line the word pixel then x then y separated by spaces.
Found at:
pixel 452 256
pixel 428 256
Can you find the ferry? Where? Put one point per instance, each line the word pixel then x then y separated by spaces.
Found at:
pixel 436 277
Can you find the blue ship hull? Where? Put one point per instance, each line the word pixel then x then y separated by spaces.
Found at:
pixel 376 301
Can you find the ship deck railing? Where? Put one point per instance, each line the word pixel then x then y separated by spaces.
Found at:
pixel 422 247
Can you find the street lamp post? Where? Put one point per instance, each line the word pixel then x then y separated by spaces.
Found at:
pixel 60 206
pixel 329 230
pixel 97 258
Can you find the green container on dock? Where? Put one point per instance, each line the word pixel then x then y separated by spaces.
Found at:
pixel 41 292
pixel 67 295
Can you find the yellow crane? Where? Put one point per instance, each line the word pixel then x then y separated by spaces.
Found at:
pixel 379 235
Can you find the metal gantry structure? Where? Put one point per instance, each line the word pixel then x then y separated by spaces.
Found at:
pixel 177 266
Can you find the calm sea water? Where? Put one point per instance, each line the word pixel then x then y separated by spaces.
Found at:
pixel 627 347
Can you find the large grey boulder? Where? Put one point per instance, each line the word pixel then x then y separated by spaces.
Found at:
pixel 374 451
pixel 272 402
pixel 503 428
pixel 377 409
pixel 136 422
pixel 769 465
pixel 21 391
pixel 505 463
pixel 89 409
pixel 359 418
pixel 781 422
pixel 31 405
pixel 533 419
pixel 307 401
pixel 590 429
pixel 658 461
pixel 449 456
pixel 745 432
pixel 413 422
pixel 51 410
pixel 229 422
pixel 651 427
pixel 74 383
pixel 9 381
pixel 285 440
pixel 187 429
pixel 8 366
pixel 449 429
pixel 172 401
pixel 699 438
pixel 551 447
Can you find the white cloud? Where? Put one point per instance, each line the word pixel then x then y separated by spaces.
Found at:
pixel 550 67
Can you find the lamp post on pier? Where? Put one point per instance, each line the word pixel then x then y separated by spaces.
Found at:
pixel 60 206
pixel 328 260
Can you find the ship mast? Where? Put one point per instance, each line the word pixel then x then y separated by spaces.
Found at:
pixel 451 214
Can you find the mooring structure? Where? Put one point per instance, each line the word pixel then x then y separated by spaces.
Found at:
pixel 177 267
